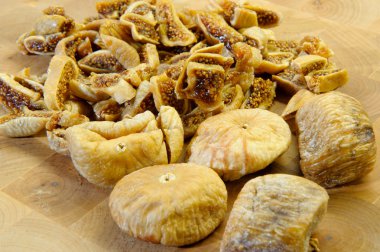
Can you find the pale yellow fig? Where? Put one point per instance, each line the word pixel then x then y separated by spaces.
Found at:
pixel 322 81
pixel 124 52
pixel 24 124
pixel 82 88
pixel 171 30
pixel 42 45
pixel 243 79
pixel 149 55
pixel 243 18
pixel 112 9
pixel 290 81
pixel 260 95
pixel 275 62
pixel 265 17
pixel 256 37
pixel 239 142
pixel 247 57
pixel 56 129
pixel 73 45
pixel 54 10
pixel 78 106
pixel 30 84
pixel 192 120
pixel 283 46
pixel 108 110
pixel 307 63
pixel 316 46
pixel 202 200
pixel 142 8
pixel 142 28
pixel 276 212
pixel 103 161
pixel 62 69
pixel 117 29
pixel 178 58
pixel 14 96
pixel 202 47
pixel 138 74
pixel 336 139
pixel 102 61
pixel 171 125
pixel 233 97
pixel 113 85
pixel 50 24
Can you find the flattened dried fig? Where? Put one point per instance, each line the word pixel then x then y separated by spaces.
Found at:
pixel 112 9
pixel 62 69
pixel 50 24
pixel 336 139
pixel 276 212
pixel 202 200
pixel 73 46
pixel 143 101
pixel 42 45
pixel 239 142
pixel 82 88
pixel 149 55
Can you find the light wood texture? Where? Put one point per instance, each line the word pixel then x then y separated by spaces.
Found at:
pixel 46 206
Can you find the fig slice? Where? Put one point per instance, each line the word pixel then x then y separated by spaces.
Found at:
pixel 290 81
pixel 102 61
pixel 256 37
pixel 112 9
pixel 336 139
pixel 260 95
pixel 172 31
pixel 142 8
pixel 143 101
pixel 82 88
pixel 42 45
pixel 108 110
pixel 202 200
pixel 266 18
pixel 192 120
pixel 283 46
pixel 233 97
pixel 322 81
pixel 247 57
pixel 104 161
pixel 73 46
pixel 50 24
pixel 149 55
pixel 142 28
pixel 276 212
pixel 170 123
pixel 275 62
pixel 316 46
pixel 62 69
pixel 239 142
pixel 113 85
pixel 24 124
pixel 307 63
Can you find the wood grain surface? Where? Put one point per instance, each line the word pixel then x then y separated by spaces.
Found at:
pixel 46 206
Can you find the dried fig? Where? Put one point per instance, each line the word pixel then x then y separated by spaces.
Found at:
pixel 322 81
pixel 108 110
pixel 260 95
pixel 275 62
pixel 265 17
pixel 102 61
pixel 290 81
pixel 142 28
pixel 316 46
pixel 307 63
pixel 233 97
pixel 192 120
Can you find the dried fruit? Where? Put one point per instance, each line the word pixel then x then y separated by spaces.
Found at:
pixel 336 139
pixel 192 120
pixel 112 9
pixel 239 142
pixel 102 61
pixel 108 110
pixel 62 69
pixel 316 46
pixel 275 212
pixel 307 63
pixel 73 46
pixel 42 45
pixel 265 17
pixel 82 88
pixel 149 55
pixel 260 95
pixel 143 101
pixel 202 200
pixel 326 80
pixel 50 24
pixel 283 46
pixel 290 81
pixel 142 28
pixel 275 62
pixel 233 97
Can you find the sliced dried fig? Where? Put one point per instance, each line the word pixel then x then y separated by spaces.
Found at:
pixel 149 55
pixel 84 48
pixel 50 24
pixel 239 142
pixel 42 45
pixel 108 110
pixel 243 79
pixel 265 17
pixel 15 96
pixel 290 81
pixel 211 59
pixel 202 200
pixel 192 120
pixel 307 63
pixel 336 139
pixel 82 88
pixel 117 29
pixel 243 18
pixel 113 85
pixel 54 10
pixel 143 101
pixel 170 123
pixel 276 212
pixel 105 161
pixel 171 30
pixel 142 28
pixel 233 97
pixel 247 57
pixel 30 84
pixel 102 61
pixel 23 124
pixel 124 53
pixel 78 106
pixel 138 74
pixel 216 29
pixel 75 45
pixel 56 129
pixel 112 9
pixel 275 62
pixel 316 46
pixel 260 95
pixel 202 47
pixel 256 37
pixel 326 80
pixel 62 69
pixel 283 46
pixel 163 90
pixel 142 8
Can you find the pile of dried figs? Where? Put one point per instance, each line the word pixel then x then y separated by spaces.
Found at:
pixel 125 89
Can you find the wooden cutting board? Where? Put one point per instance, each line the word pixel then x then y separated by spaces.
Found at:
pixel 46 206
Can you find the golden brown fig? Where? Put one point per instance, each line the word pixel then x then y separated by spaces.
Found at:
pixel 202 47
pixel 62 69
pixel 124 53
pixel 23 124
pixel 283 46
pixel 172 31
pixel 336 139
pixel 243 79
pixel 138 74
pixel 233 97
pixel 143 101
pixel 247 57
pixel 239 142
pixel 50 24
pixel 216 29
pixel 78 106
pixel 56 129
pixel 275 62
pixel 108 110
pixel 316 46
pixel 102 61
pixel 14 96
pixel 112 9
pixel 266 18
pixel 149 55
pixel 243 18
pixel 276 212
pixel 142 28
pixel 202 200
pixel 117 29
pixel 290 81
pixel 326 80
pixel 142 8
pixel 260 95
pixel 30 84
pixel 104 161
pixel 113 85
pixel 42 45
pixel 307 63
pixel 82 88
pixel 256 37
pixel 73 45
pixel 171 125
pixel 192 120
